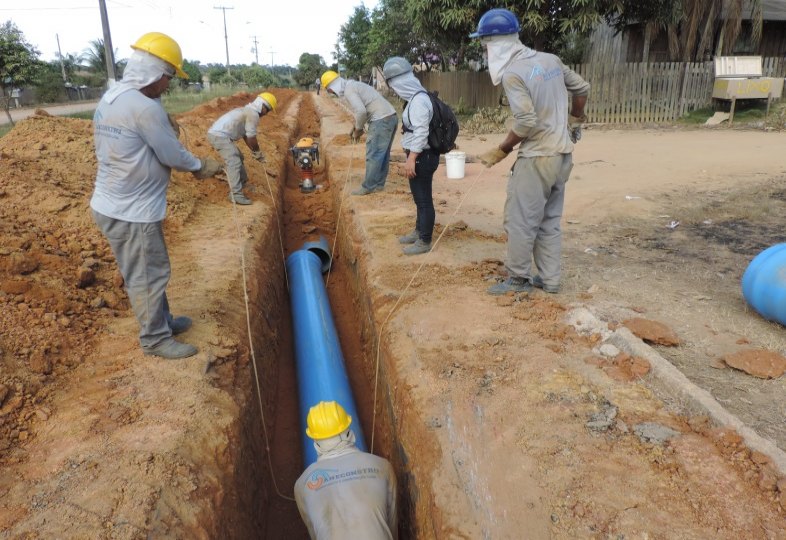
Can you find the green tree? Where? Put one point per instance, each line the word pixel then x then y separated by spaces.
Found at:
pixel 310 67
pixel 392 34
pixel 69 64
pixel 258 77
pixel 214 72
pixel 95 59
pixel 193 72
pixel 18 62
pixel 353 41
pixel 49 82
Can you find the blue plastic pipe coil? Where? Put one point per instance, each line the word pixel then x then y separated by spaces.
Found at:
pixel 320 364
pixel 764 283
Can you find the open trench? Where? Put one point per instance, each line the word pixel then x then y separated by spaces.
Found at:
pixel 263 488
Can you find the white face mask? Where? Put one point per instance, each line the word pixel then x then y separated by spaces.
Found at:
pixel 501 51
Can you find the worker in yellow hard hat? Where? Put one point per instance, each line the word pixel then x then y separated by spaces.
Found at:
pixel 136 150
pixel 240 123
pixel 367 106
pixel 346 493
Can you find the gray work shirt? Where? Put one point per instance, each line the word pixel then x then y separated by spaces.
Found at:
pixel 349 496
pixel 136 150
pixel 416 117
pixel 537 88
pixel 366 104
pixel 236 124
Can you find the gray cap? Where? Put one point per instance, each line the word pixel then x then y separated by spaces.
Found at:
pixel 396 66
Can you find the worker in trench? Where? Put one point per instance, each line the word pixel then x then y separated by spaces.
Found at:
pixel 537 86
pixel 367 106
pixel 346 493
pixel 240 123
pixel 136 149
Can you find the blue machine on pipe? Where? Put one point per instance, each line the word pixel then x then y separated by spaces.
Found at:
pixel 320 364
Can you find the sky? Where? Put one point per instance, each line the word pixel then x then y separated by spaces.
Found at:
pixel 282 31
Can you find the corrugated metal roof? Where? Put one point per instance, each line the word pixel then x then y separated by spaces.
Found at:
pixel 772 10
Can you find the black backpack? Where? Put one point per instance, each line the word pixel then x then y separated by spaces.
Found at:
pixel 443 128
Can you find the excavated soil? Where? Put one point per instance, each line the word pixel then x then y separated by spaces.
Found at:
pixel 501 421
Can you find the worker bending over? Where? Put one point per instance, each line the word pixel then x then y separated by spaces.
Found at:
pixel 346 493
pixel 367 105
pixel 240 123
pixel 136 149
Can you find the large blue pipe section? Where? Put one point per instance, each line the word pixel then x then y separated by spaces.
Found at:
pixel 320 364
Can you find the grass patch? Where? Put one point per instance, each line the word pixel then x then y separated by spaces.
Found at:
pixel 178 101
pixel 747 110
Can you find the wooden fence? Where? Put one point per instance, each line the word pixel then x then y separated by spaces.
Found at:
pixel 622 93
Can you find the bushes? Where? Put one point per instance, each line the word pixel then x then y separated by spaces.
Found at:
pixel 487 120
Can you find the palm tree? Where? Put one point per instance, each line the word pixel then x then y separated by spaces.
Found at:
pixel 95 59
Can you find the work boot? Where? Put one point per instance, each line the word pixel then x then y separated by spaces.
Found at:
pixel 239 198
pixel 418 247
pixel 169 348
pixel 537 281
pixel 180 325
pixel 512 284
pixel 365 191
pixel 409 238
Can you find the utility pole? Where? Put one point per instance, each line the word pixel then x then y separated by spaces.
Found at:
pixel 256 49
pixel 271 59
pixel 109 54
pixel 226 38
pixel 60 54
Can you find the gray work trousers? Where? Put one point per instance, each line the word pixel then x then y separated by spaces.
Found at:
pixel 233 158
pixel 533 210
pixel 143 260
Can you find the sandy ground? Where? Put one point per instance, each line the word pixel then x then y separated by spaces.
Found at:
pixel 496 406
pixel 491 379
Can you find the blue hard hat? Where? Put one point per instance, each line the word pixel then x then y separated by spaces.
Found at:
pixel 497 22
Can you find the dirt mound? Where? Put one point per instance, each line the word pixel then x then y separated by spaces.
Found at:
pixel 58 280
pixel 57 277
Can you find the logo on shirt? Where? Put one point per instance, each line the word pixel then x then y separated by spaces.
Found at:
pixel 323 477
pixel 541 75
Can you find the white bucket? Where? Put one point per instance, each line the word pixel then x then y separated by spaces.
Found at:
pixel 454 163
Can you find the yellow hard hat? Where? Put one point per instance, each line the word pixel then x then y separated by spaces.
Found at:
pixel 327 419
pixel 270 99
pixel 327 78
pixel 163 47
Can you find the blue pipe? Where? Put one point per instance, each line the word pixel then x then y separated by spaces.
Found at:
pixel 320 364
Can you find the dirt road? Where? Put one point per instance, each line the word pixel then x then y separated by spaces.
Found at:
pixel 502 421
pixel 54 110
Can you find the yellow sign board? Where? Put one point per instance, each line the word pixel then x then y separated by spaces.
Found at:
pixel 758 88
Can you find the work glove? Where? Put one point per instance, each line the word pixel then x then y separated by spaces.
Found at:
pixel 492 157
pixel 210 167
pixel 174 125
pixel 258 155
pixel 574 127
pixel 355 135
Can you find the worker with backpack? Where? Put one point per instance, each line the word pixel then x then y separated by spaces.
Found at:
pixel 429 129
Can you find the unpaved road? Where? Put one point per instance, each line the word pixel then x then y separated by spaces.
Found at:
pixel 54 110
pixel 483 403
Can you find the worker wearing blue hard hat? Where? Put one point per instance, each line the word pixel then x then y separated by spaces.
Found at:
pixel 537 86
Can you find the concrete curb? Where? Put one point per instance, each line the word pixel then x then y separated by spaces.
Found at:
pixel 668 379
